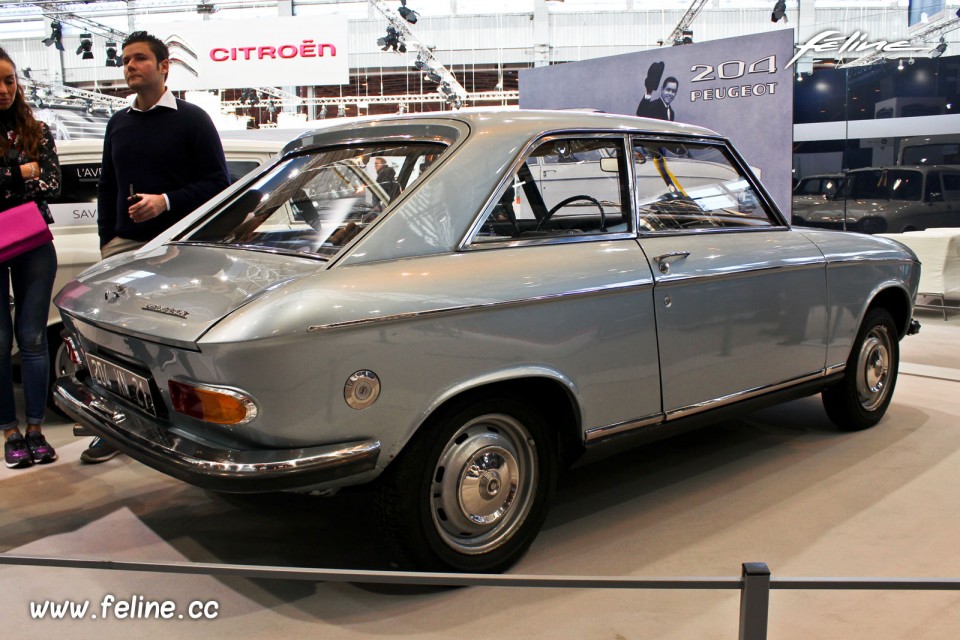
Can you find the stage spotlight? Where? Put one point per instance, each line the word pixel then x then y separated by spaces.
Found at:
pixel 407 14
pixel 686 37
pixel 85 50
pixel 56 36
pixel 940 49
pixel 433 76
pixel 112 59
pixel 779 11
pixel 392 41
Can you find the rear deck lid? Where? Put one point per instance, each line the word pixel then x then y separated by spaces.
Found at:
pixel 177 292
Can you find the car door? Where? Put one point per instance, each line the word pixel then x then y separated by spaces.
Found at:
pixel 740 299
pixel 940 204
pixel 572 256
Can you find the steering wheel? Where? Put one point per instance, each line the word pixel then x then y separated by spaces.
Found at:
pixel 566 201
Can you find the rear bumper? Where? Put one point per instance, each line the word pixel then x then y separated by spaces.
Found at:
pixel 228 470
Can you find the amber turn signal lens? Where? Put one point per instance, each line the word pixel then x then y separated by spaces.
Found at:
pixel 212 404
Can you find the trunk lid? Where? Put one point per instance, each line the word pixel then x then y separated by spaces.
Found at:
pixel 177 292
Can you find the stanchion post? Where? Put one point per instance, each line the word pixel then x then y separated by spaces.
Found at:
pixel 754 601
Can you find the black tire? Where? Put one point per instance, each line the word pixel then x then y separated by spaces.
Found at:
pixel 860 399
pixel 440 514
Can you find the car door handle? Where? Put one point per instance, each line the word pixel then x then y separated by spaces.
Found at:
pixel 663 261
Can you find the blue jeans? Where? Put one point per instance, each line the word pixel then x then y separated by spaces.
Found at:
pixel 31 274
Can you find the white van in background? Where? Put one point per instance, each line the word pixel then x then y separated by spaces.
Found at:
pixel 75 216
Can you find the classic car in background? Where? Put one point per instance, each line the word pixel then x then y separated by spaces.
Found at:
pixel 814 190
pixel 461 343
pixel 890 200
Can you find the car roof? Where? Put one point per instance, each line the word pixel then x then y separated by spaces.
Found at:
pixel 523 123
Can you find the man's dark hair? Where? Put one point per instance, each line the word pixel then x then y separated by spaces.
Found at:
pixel 673 80
pixel 157 46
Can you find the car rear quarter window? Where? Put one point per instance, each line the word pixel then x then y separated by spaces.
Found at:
pixel 951 187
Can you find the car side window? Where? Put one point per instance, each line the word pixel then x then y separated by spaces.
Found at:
pixel 565 187
pixel 239 168
pixel 951 187
pixel 932 191
pixel 682 185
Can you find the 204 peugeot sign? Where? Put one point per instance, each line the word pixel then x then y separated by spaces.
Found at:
pixel 279 52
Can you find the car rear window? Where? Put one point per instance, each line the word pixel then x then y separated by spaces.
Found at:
pixel 318 201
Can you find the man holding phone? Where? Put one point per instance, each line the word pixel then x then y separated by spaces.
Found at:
pixel 162 158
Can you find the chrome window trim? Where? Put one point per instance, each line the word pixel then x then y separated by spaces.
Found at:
pixel 468 242
pixel 527 242
pixel 640 286
pixel 627 135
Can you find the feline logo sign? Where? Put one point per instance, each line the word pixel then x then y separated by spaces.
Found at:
pixel 837 43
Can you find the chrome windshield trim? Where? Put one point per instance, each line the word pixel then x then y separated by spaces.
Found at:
pixel 475 307
pixel 621 427
pixel 700 407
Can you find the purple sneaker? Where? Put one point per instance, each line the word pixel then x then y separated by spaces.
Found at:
pixel 16 453
pixel 40 449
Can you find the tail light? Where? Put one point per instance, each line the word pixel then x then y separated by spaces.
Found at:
pixel 211 404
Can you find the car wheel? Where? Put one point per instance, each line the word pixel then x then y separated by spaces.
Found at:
pixel 860 399
pixel 471 489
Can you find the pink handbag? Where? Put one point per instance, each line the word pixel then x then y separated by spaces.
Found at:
pixel 22 228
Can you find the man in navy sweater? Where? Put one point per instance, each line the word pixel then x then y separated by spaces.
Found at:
pixel 162 158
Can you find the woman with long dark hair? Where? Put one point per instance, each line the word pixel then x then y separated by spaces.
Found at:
pixel 29 171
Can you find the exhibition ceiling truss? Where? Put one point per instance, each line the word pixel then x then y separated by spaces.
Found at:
pixel 403 100
pixel 682 32
pixel 48 94
pixel 400 37
pixel 56 12
pixel 933 32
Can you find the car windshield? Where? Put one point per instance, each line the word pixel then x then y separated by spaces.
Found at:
pixel 317 202
pixel 892 184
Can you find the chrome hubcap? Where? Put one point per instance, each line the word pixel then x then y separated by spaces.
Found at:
pixel 483 484
pixel 873 368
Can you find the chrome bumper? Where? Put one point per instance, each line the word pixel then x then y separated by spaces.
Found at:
pixel 228 470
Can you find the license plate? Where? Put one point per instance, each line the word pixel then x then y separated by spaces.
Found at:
pixel 122 382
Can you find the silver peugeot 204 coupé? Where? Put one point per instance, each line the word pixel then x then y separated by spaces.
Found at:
pixel 459 306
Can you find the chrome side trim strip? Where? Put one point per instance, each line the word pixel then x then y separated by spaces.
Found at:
pixel 629 425
pixel 743 395
pixel 798 266
pixel 834 368
pixel 599 433
pixel 487 305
